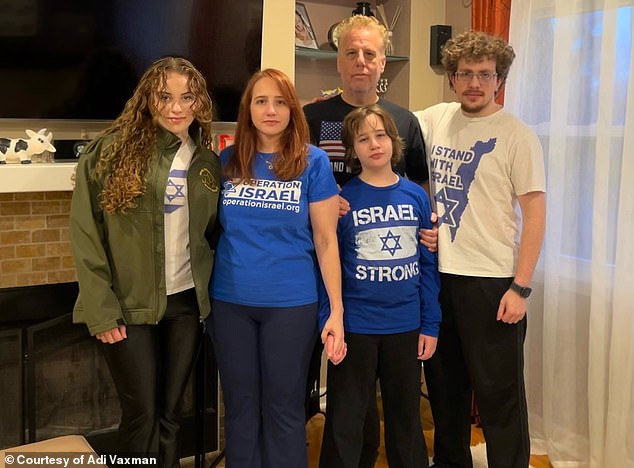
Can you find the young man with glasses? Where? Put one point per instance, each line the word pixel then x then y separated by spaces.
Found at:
pixel 484 163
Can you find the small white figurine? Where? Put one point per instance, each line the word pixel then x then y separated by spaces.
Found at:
pixel 19 149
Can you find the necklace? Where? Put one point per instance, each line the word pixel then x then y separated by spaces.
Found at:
pixel 268 163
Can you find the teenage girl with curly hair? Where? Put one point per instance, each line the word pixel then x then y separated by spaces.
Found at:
pixel 142 212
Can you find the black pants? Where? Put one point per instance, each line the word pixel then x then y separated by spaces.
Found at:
pixel 150 370
pixel 352 389
pixel 371 437
pixel 475 351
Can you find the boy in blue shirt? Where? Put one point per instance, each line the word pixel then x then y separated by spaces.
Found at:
pixel 390 295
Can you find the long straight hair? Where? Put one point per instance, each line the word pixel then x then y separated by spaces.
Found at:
pixel 292 158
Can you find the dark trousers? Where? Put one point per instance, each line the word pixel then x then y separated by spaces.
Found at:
pixel 352 390
pixel 477 352
pixel 150 369
pixel 263 356
pixel 371 436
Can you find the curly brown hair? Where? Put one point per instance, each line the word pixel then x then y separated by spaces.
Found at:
pixel 351 125
pixel 474 46
pixel 292 158
pixel 124 163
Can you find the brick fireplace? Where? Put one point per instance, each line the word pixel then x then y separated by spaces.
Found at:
pixel 53 379
pixel 34 243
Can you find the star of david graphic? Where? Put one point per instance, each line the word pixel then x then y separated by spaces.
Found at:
pixel 229 187
pixel 174 190
pixel 391 243
pixel 450 206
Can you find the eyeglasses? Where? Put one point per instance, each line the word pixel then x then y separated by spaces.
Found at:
pixel 466 77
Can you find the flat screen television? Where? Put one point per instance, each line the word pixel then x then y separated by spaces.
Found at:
pixel 80 59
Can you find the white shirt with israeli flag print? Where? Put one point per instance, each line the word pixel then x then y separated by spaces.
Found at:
pixel 178 274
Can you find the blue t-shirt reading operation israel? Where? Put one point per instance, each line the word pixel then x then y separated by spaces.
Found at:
pixel 266 256
pixel 390 282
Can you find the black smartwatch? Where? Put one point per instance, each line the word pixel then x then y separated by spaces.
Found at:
pixel 521 290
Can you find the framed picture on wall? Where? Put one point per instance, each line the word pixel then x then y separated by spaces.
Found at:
pixel 304 34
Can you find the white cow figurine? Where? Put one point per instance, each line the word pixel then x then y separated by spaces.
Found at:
pixel 18 149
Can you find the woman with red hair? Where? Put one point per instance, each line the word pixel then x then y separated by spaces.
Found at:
pixel 278 211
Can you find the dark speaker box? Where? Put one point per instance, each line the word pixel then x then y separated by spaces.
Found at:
pixel 439 35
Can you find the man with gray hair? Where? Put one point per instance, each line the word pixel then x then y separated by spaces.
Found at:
pixel 361 61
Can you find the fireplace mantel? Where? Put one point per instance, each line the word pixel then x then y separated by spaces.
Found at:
pixel 37 177
pixel 57 177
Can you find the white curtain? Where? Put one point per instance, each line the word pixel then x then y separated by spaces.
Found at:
pixel 572 83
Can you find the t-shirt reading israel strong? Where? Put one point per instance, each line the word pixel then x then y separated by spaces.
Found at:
pixel 390 282
pixel 265 255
